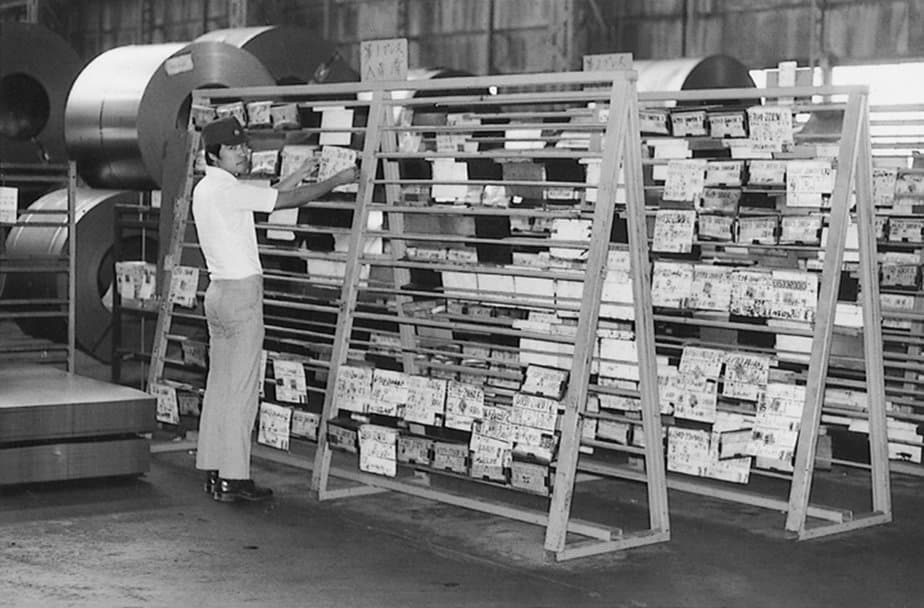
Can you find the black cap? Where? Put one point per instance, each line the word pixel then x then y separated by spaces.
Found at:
pixel 225 131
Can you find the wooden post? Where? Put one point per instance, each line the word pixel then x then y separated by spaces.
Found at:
pixel 348 295
pixel 824 320
pixel 872 323
pixel 594 274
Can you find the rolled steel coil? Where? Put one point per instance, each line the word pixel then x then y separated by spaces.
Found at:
pixel 37 69
pixel 94 264
pixel 126 104
pixel 688 73
pixel 293 55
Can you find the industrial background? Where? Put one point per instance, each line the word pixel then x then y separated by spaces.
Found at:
pixel 513 36
pixel 100 502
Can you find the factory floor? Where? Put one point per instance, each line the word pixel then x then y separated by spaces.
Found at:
pixel 158 540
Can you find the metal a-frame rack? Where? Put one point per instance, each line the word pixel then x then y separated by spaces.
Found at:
pixel 31 175
pixel 517 99
pixel 566 102
pixel 853 182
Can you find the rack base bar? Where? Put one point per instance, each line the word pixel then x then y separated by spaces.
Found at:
pixel 865 520
pixel 628 541
pixel 525 515
pixel 832 514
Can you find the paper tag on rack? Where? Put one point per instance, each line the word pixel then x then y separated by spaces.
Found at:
pixel 884 181
pixel 9 199
pixel 685 179
pixel 184 283
pixel 168 410
pixel 282 216
pixel 305 424
pixel 290 381
pixel 383 59
pixel 378 450
pixel 336 123
pixel 333 160
pixel 274 426
pixel 770 127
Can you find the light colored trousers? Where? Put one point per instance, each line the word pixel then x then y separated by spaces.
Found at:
pixel 234 310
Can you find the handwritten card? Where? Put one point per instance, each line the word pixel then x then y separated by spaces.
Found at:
pixel 687 451
pixel 767 172
pixel 751 293
pixel 906 230
pixel 697 399
pixel 746 375
pixel 383 59
pixel 724 172
pixel 759 229
pixel 264 162
pixel 716 227
pixel 378 450
pixel 698 361
pixel 273 429
pixel 605 62
pixel 168 410
pixel 673 230
pixel 693 123
pixel 795 295
pixel 654 121
pixel 723 200
pixel 195 354
pixel 290 381
pixel 801 229
pixel 305 424
pixel 294 157
pixel 545 381
pixel 464 405
pixel 426 399
pixel 671 284
pixel 258 113
pixel 884 182
pixel 9 199
pixel 770 127
pixel 685 179
pixel 711 288
pixel 333 160
pixel 807 181
pixel 389 392
pixel 727 124
pixel 353 388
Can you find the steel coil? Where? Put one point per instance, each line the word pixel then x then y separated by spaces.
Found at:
pixel 94 264
pixel 126 104
pixel 688 73
pixel 293 55
pixel 37 69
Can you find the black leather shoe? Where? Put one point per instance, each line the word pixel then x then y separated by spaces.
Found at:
pixel 232 490
pixel 211 482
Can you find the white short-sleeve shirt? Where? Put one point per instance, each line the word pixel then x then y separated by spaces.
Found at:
pixel 223 208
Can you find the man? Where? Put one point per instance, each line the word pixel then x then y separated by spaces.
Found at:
pixel 223 208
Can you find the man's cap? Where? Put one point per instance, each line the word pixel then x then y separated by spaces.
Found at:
pixel 224 131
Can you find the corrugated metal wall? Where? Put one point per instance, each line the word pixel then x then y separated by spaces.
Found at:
pixel 506 36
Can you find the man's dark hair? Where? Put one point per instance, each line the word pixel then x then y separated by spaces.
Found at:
pixel 209 151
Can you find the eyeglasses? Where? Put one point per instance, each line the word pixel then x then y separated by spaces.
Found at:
pixel 241 147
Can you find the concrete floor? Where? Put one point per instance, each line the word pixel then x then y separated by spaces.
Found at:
pixel 160 541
